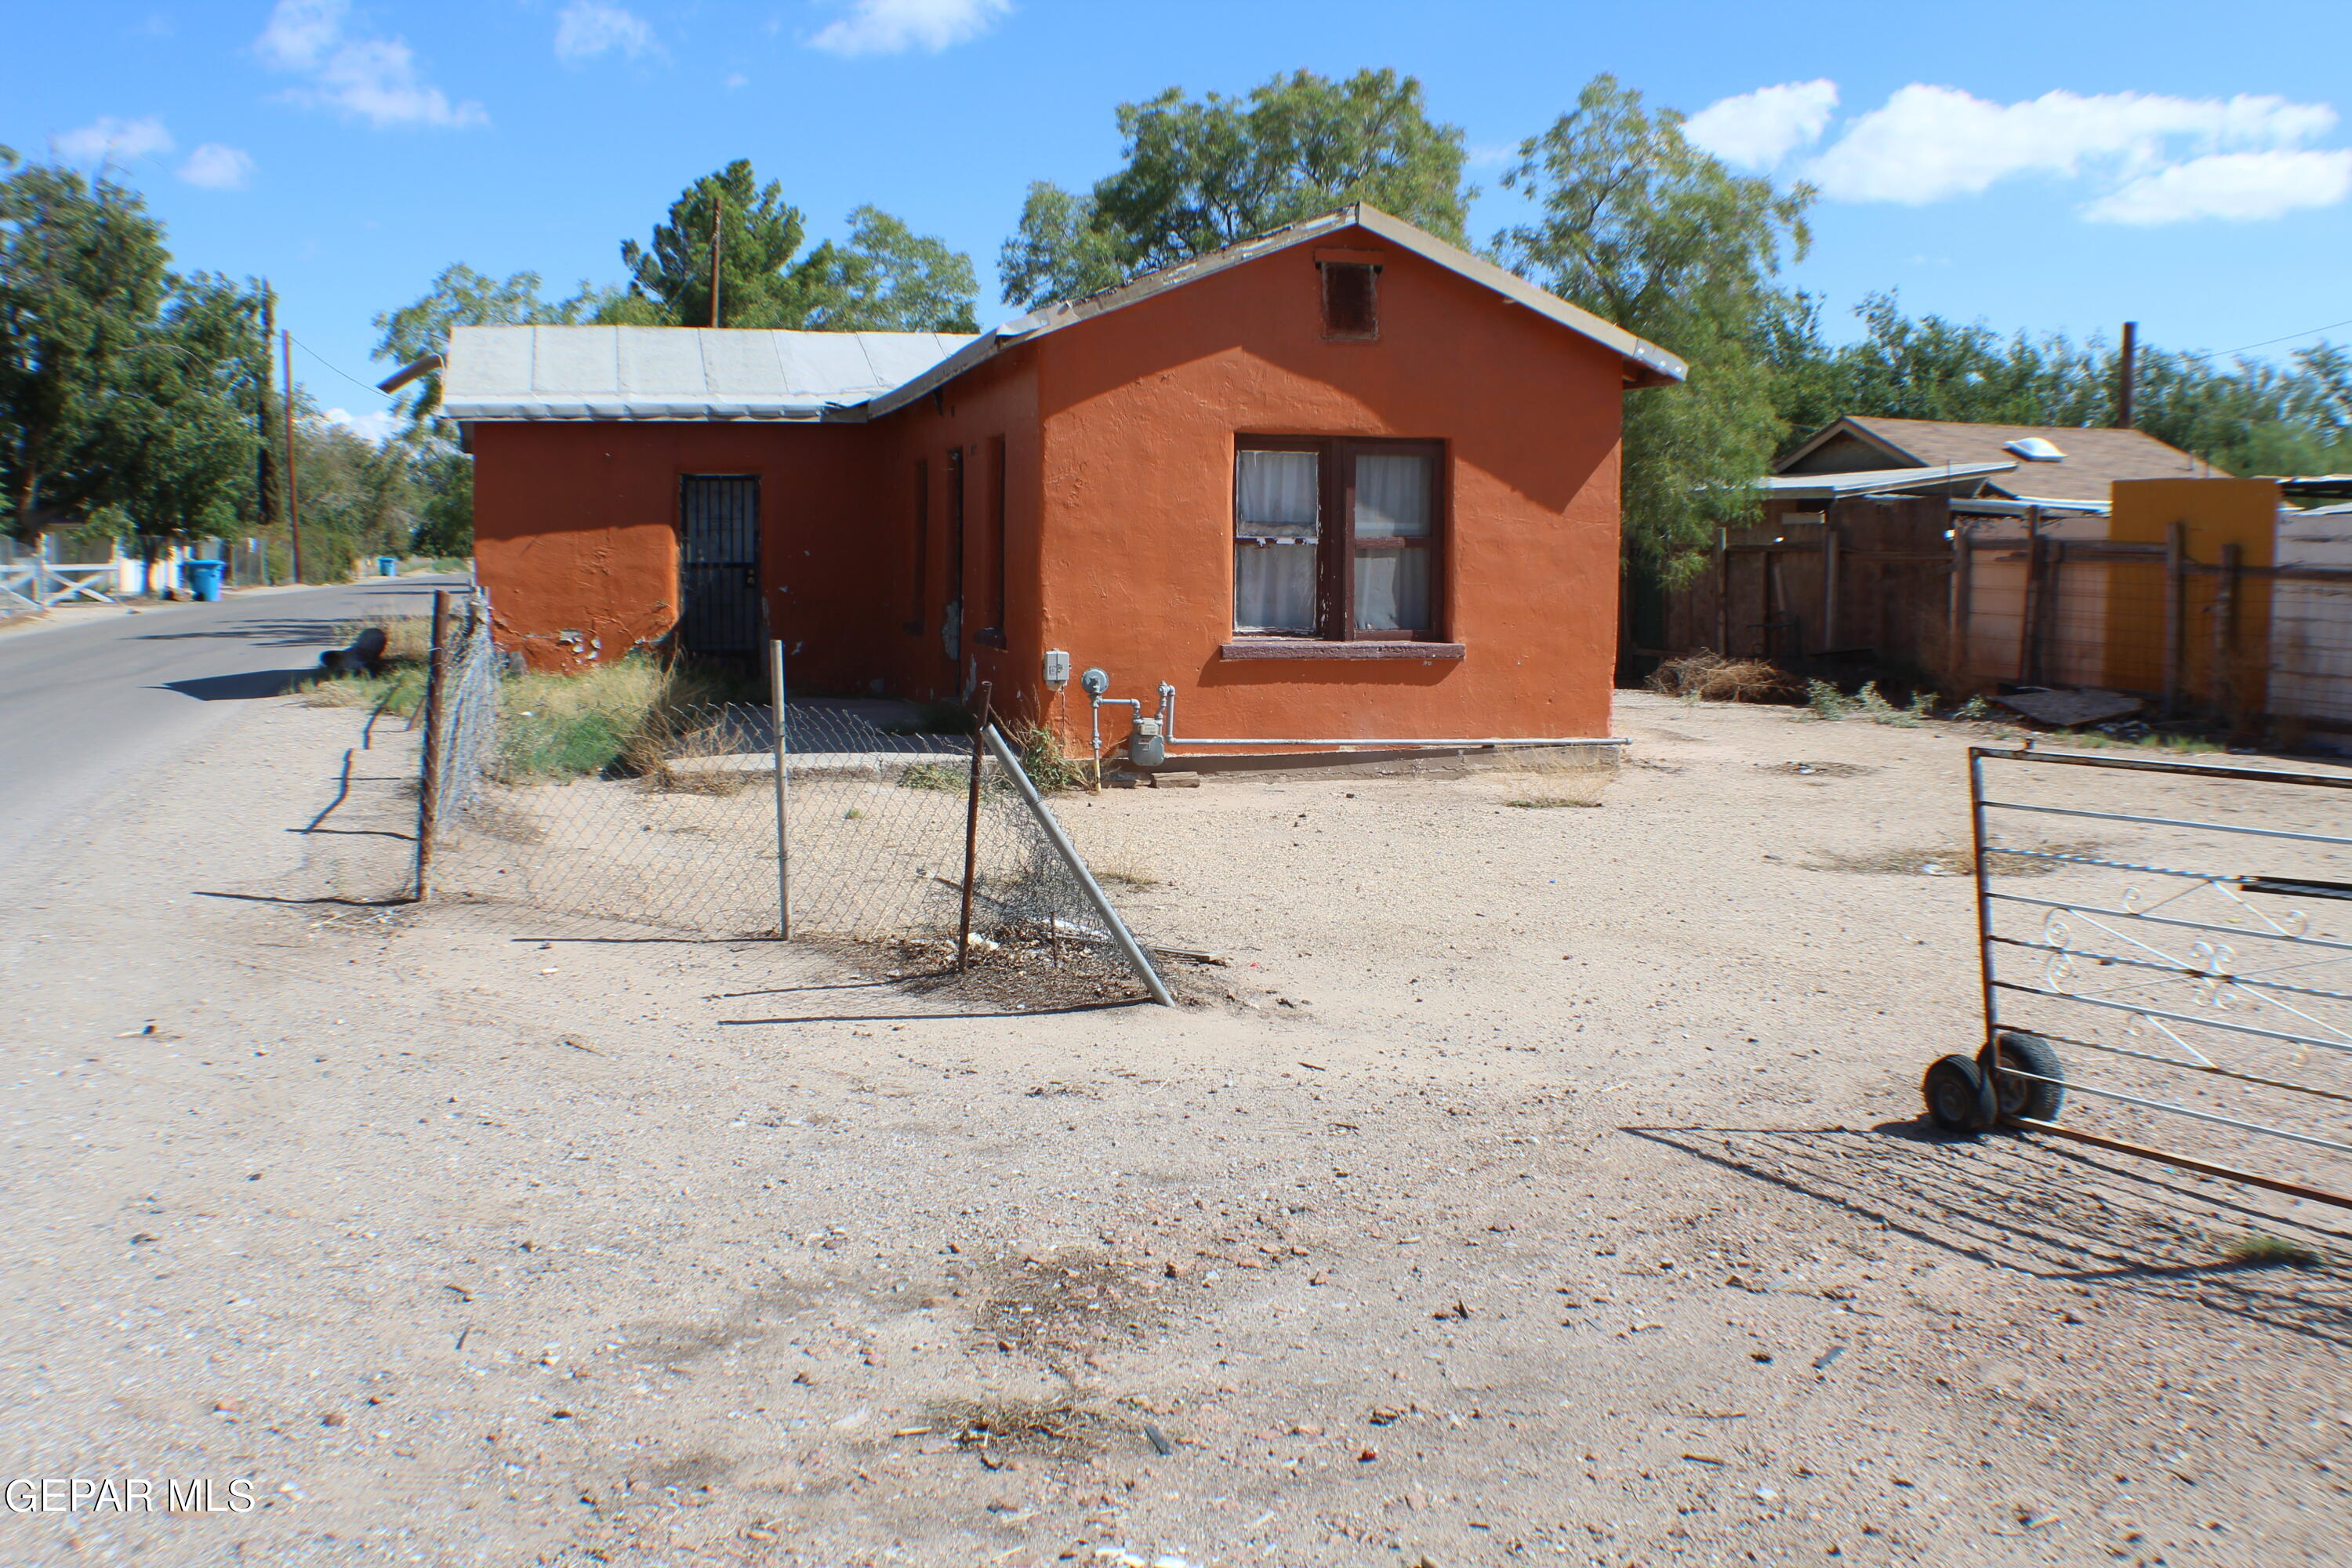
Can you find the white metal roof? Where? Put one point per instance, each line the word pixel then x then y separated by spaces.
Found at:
pixel 1872 481
pixel 677 373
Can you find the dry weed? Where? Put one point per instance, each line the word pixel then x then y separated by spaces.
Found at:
pixel 1711 678
pixel 1950 861
pixel 1542 777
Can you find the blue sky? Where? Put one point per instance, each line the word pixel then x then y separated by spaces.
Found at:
pixel 2052 166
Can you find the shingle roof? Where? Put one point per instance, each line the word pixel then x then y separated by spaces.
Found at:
pixel 677 373
pixel 2094 457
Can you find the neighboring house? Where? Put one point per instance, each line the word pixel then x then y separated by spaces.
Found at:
pixel 2056 465
pixel 1344 481
pixel 1852 557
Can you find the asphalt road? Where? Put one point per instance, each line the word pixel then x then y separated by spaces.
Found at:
pixel 85 707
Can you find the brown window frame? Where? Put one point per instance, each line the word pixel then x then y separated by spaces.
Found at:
pixel 1337 275
pixel 913 625
pixel 1335 547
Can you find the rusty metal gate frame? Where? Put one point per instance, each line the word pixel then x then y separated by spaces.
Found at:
pixel 2210 966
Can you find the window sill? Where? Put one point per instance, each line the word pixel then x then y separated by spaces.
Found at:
pixel 1308 647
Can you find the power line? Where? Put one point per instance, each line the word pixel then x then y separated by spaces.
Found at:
pixel 2290 337
pixel 339 370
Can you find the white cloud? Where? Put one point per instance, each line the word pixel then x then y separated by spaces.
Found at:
pixel 1757 129
pixel 217 168
pixel 589 27
pixel 110 140
pixel 894 27
pixel 2237 188
pixel 1929 143
pixel 376 425
pixel 373 79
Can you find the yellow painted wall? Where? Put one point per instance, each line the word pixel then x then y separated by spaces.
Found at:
pixel 2215 513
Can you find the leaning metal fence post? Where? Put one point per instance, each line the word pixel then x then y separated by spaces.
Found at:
pixel 428 793
pixel 971 833
pixel 1120 934
pixel 784 793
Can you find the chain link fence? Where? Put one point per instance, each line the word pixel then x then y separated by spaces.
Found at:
pixel 873 834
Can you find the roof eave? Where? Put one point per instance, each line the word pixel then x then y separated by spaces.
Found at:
pixel 1646 365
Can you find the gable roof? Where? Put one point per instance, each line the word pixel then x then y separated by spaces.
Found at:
pixel 677 373
pixel 701 374
pixel 2094 459
pixel 1646 365
pixel 1954 477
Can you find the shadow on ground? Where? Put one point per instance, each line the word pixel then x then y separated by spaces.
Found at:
pixel 263 633
pixel 2015 1203
pixel 240 688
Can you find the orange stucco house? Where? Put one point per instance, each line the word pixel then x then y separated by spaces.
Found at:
pixel 1344 481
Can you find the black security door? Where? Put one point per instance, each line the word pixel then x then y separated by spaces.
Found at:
pixel 719 563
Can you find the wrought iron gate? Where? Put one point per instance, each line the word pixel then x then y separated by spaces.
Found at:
pixel 719 563
pixel 2171 947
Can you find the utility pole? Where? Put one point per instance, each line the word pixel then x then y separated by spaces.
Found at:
pixel 263 480
pixel 717 211
pixel 293 491
pixel 2124 363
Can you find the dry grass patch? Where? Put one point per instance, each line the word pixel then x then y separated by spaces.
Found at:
pixel 1539 778
pixel 1711 678
pixel 1039 1429
pixel 1949 860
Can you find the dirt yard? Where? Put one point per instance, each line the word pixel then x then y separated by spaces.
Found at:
pixel 1533 1185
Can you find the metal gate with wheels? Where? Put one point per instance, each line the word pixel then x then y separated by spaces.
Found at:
pixel 719 563
pixel 2165 952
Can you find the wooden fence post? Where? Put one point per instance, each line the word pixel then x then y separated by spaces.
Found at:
pixel 1723 591
pixel 2225 634
pixel 1829 582
pixel 1956 637
pixel 2176 583
pixel 2029 607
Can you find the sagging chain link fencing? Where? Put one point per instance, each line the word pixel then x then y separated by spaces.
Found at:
pixel 858 829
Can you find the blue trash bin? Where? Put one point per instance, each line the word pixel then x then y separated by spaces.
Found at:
pixel 204 578
pixel 387 565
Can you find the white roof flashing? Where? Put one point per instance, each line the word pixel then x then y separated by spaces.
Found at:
pixel 677 373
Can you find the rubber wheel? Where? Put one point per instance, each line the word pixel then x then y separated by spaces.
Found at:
pixel 2032 1098
pixel 1954 1090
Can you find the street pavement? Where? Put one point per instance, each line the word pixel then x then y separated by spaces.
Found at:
pixel 90 699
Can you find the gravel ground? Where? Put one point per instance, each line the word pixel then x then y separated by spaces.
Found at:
pixel 1532 1185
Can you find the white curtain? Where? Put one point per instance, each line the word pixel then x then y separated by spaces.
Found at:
pixel 1391 497
pixel 1276 510
pixel 1274 587
pixel 1274 495
pixel 1392 590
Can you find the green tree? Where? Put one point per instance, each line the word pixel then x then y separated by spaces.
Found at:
pixel 444 478
pixel 461 297
pixel 172 431
pixel 1200 174
pixel 1644 230
pixel 889 279
pixel 2252 417
pixel 81 274
pixel 885 277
